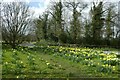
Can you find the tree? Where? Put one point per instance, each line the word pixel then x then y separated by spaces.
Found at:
pixel 42 26
pixel 109 17
pixel 88 32
pixel 75 25
pixel 57 10
pixel 118 26
pixel 0 38
pixel 16 19
pixel 97 22
pixel 38 29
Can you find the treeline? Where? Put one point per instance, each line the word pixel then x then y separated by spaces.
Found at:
pixel 66 22
pixel 96 23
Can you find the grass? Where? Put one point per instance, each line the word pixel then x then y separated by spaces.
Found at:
pixel 53 62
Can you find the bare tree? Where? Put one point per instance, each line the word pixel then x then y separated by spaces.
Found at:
pixel 16 20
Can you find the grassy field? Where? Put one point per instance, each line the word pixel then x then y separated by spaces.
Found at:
pixel 58 62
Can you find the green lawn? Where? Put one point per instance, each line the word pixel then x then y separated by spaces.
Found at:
pixel 58 62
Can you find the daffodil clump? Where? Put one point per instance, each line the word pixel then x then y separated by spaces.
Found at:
pixel 105 68
pixel 88 57
pixel 14 66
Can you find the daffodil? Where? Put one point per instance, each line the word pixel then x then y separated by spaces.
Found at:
pixel 17 77
pixel 59 65
pixel 22 49
pixel 21 62
pixel 6 62
pixel 103 65
pixel 104 58
pixel 48 63
pixel 14 51
pixel 113 67
pixel 106 65
pixel 33 59
pixel 98 63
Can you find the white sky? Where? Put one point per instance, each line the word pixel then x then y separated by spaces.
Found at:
pixel 39 6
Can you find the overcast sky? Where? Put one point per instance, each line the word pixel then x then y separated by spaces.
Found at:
pixel 39 6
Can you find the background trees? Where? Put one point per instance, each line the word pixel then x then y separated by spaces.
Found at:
pixel 16 19
pixel 97 29
pixel 63 22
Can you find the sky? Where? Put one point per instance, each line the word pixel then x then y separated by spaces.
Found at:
pixel 39 6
